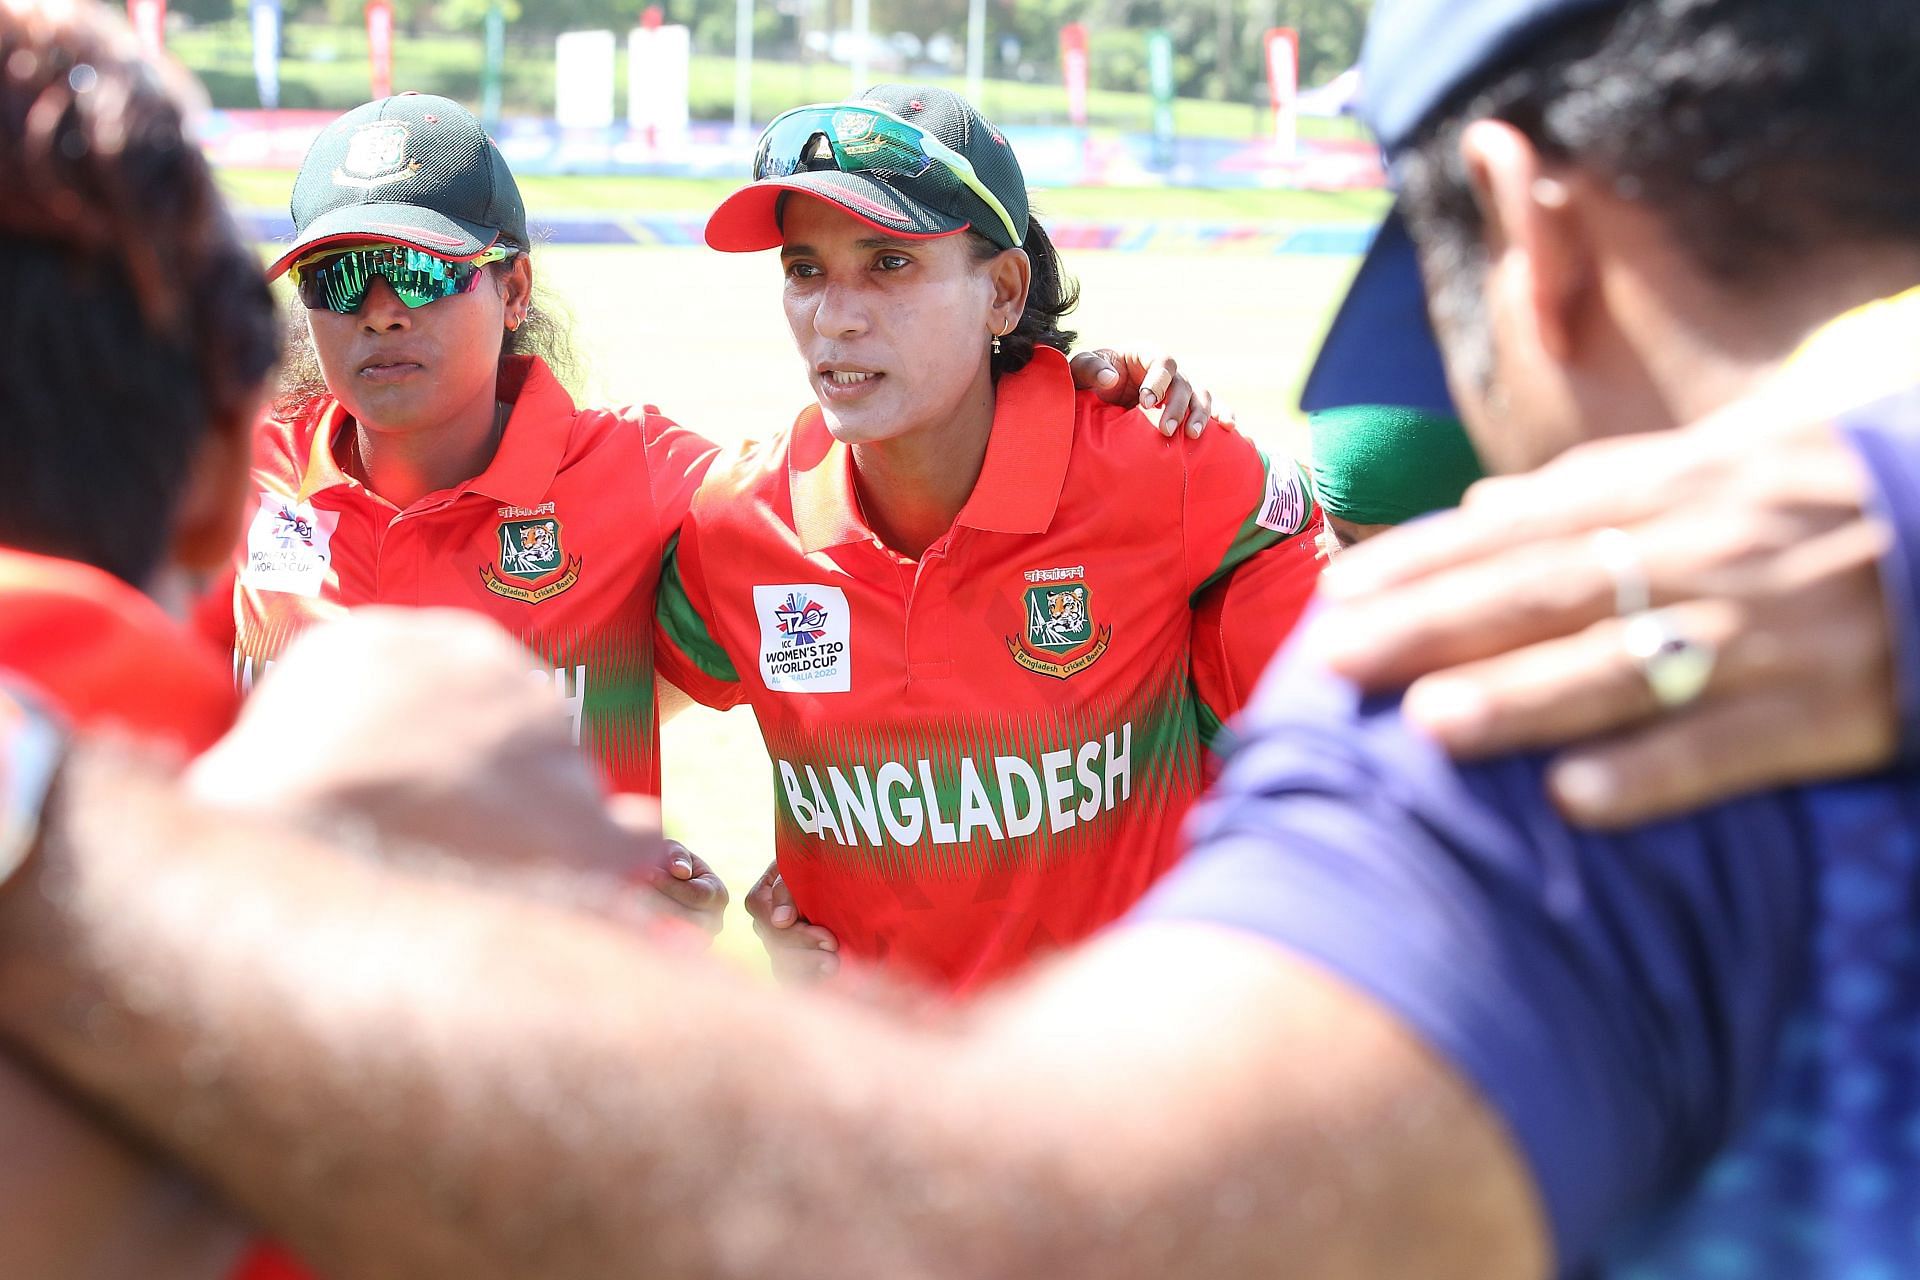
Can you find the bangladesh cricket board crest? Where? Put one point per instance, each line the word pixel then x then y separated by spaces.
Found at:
pixel 531 553
pixel 1060 638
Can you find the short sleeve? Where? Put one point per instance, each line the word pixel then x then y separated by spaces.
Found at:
pixel 1237 504
pixel 1614 1000
pixel 1887 438
pixel 689 654
pixel 1242 619
pixel 677 461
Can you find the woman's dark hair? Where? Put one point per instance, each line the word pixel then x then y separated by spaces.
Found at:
pixel 546 332
pixel 1050 297
pixel 1758 130
pixel 137 317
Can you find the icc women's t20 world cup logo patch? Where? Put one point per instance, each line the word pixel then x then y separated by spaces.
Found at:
pixel 1060 638
pixel 531 553
pixel 806 638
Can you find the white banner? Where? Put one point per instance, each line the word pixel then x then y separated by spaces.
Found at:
pixel 658 63
pixel 583 79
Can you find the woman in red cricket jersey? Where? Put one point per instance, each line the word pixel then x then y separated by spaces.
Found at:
pixel 424 451
pixel 985 621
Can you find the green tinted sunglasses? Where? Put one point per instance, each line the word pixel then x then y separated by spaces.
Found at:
pixel 867 140
pixel 339 282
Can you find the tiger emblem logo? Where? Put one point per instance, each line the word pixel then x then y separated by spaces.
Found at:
pixel 1068 610
pixel 1061 638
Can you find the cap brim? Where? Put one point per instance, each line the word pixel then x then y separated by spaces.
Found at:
pixel 435 233
pixel 1381 348
pixel 747 221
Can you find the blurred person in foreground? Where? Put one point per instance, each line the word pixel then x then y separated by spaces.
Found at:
pixel 131 365
pixel 1392 1016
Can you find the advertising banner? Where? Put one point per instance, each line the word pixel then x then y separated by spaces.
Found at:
pixel 1073 64
pixel 380 46
pixel 1283 83
pixel 266 50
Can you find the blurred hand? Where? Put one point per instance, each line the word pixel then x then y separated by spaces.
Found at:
pixel 690 889
pixel 1151 382
pixel 426 728
pixel 799 951
pixel 1501 616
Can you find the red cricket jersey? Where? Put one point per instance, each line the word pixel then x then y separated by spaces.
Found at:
pixel 559 540
pixel 108 657
pixel 987 753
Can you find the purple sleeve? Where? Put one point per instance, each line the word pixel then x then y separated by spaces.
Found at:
pixel 1887 437
pixel 1614 1000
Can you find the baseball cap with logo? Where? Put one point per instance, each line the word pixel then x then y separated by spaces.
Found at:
pixel 415 169
pixel 1419 54
pixel 910 160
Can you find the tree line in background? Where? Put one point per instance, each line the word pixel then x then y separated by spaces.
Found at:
pixel 1217 43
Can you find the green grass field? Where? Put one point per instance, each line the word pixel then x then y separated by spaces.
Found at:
pixel 701 335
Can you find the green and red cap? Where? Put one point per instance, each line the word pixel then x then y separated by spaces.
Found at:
pixel 836 152
pixel 414 169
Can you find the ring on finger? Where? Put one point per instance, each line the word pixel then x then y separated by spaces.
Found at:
pixel 1676 666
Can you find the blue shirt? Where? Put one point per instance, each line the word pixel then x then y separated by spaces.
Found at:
pixel 1703 1034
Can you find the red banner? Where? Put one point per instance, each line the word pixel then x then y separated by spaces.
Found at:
pixel 149 19
pixel 1073 63
pixel 380 45
pixel 1283 83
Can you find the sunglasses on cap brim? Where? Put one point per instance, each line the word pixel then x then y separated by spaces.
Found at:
pixel 339 281
pixel 865 139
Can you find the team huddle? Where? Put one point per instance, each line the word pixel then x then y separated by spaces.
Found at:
pixel 1259 934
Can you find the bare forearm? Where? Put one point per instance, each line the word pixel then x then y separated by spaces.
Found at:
pixel 412 1078
pixel 409 1078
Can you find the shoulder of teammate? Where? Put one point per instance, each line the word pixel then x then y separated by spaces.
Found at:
pixel 108 655
pixel 676 458
pixel 1240 502
pixel 1615 998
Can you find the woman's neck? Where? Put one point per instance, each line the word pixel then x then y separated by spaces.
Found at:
pixel 913 486
pixel 403 467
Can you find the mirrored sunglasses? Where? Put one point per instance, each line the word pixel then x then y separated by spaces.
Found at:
pixel 339 282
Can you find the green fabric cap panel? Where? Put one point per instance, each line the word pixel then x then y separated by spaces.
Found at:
pixel 1381 464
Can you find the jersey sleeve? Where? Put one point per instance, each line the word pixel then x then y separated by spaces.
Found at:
pixel 1250 529
pixel 1615 1000
pixel 677 461
pixel 1242 619
pixel 689 654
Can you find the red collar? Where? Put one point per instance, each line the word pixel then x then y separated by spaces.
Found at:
pixel 1020 479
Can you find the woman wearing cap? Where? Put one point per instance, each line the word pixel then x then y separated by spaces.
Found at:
pixel 986 625
pixel 424 452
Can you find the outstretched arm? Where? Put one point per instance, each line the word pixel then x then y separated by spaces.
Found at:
pixel 410 1073
pixel 420 1078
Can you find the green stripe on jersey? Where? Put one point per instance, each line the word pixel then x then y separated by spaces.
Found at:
pixel 683 624
pixel 1254 536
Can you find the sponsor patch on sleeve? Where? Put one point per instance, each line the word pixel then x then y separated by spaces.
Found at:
pixel 1285 506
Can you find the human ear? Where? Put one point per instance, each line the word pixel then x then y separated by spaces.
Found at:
pixel 516 288
pixel 1540 261
pixel 1010 272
